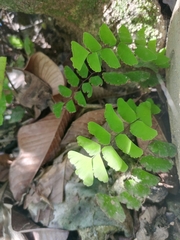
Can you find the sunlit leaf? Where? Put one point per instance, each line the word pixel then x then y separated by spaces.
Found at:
pixel 79 97
pixel 84 71
pixel 83 166
pixel 124 34
pixel 79 55
pixel 106 35
pixel 90 42
pixel 99 132
pixel 17 114
pixel 65 91
pixel 145 54
pixel 99 169
pixel 114 78
pixel 127 146
pixel 126 55
pixel 125 111
pixel 156 164
pixel 145 177
pixel 137 189
pixel 57 109
pixel 141 130
pixel 137 76
pixel 113 159
pixel 72 78
pixel 96 81
pixel 130 201
pixel 15 41
pixel 70 106
pixel 163 149
pixel 140 37
pixel 114 122
pixel 110 58
pixel 111 206
pixel 91 147
pixel 94 62
pixel 87 88
pixel 144 113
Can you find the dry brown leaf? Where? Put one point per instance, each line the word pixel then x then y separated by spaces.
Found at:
pixel 51 184
pixel 43 67
pixel 79 126
pixel 39 142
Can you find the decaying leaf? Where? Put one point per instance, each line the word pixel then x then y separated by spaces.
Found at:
pixel 153 225
pixel 21 223
pixel 51 184
pixel 39 142
pixel 44 68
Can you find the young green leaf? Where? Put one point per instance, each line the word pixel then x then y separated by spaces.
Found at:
pixel 106 35
pixel 111 207
pixel 163 149
pixel 94 62
pixel 152 44
pixel 126 55
pixel 137 189
pixel 96 81
pixel 91 147
pixel 65 91
pixel 79 55
pixel 15 41
pixel 87 88
pixel 127 146
pixel 130 201
pixel 57 109
pixel 140 37
pixel 83 166
pixel 162 60
pixel 70 106
pixel 84 71
pixel 2 73
pixel 145 54
pixel 156 164
pixel 154 108
pixel 91 43
pixel 124 35
pixel 138 76
pixel 110 58
pixel 99 169
pixel 72 78
pixel 114 122
pixel 103 136
pixel 145 177
pixel 79 97
pixel 17 114
pixel 144 113
pixel 114 78
pixel 28 46
pixel 113 159
pixel 140 130
pixel 132 104
pixel 125 111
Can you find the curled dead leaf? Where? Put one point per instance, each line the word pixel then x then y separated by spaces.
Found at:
pixel 44 68
pixel 39 143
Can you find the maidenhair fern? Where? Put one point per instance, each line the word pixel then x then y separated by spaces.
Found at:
pixel 88 59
